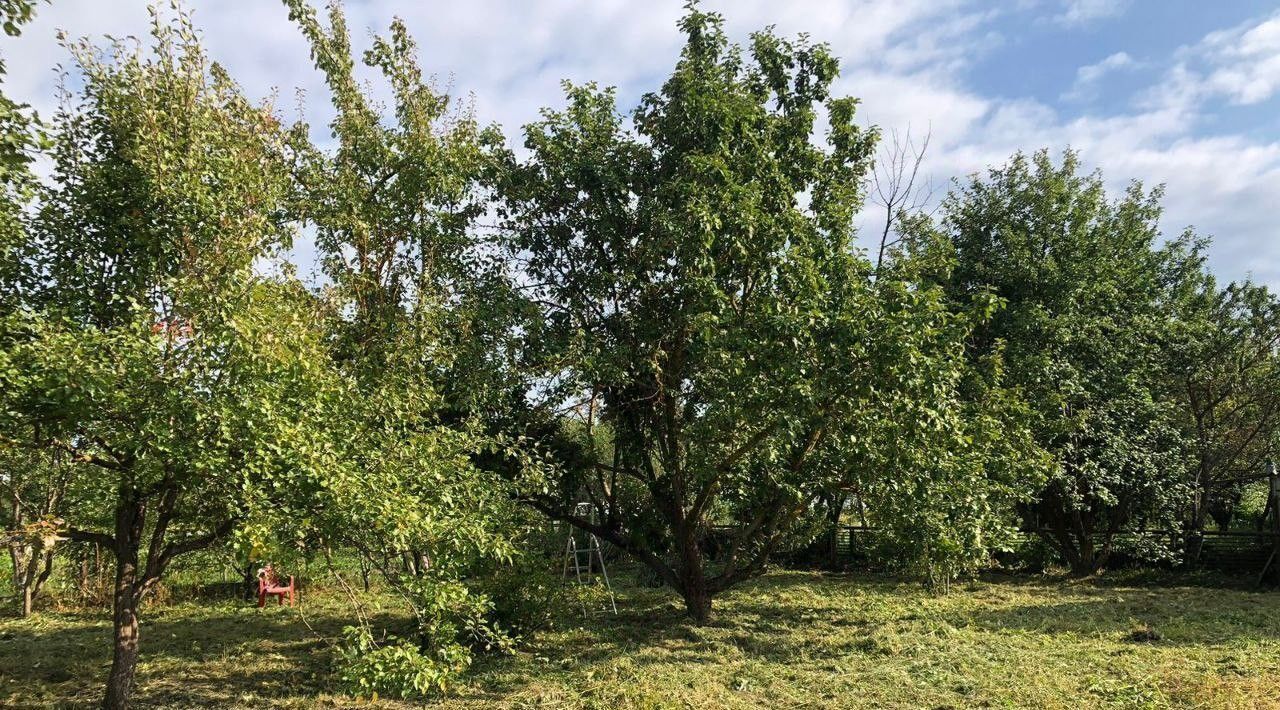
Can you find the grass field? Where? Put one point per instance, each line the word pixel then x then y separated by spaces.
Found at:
pixel 790 639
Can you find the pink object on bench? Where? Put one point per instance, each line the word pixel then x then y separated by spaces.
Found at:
pixel 269 584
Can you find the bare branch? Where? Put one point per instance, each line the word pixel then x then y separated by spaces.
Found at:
pixel 896 186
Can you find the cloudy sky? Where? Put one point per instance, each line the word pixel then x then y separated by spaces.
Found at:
pixel 1180 92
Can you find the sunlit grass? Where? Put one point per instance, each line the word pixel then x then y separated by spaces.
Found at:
pixel 789 640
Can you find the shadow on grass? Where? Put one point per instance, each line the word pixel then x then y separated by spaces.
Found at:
pixel 763 618
pixel 1133 577
pixel 788 617
pixel 227 655
pixel 1197 619
pixel 647 621
pixel 231 654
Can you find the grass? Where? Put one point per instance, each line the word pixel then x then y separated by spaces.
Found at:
pixel 790 639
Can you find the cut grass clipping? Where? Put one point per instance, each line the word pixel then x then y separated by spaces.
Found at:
pixel 790 639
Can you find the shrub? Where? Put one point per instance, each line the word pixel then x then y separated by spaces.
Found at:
pixel 523 597
pixel 398 667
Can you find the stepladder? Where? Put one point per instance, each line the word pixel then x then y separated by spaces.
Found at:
pixel 586 564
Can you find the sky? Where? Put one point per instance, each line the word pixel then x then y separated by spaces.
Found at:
pixel 1184 93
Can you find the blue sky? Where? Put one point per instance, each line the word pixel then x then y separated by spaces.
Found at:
pixel 1177 92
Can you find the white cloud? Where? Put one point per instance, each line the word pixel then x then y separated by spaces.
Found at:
pixel 1081 12
pixel 905 58
pixel 1240 65
pixel 1088 76
pixel 1244 61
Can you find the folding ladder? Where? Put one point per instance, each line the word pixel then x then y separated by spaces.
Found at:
pixel 584 569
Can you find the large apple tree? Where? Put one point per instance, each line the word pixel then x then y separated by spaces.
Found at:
pixel 710 340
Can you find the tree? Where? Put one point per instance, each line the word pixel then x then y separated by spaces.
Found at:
pixel 1227 379
pixel 421 319
pixel 171 378
pixel 34 485
pixel 705 314
pixel 19 127
pixel 395 209
pixel 898 188
pixel 1084 334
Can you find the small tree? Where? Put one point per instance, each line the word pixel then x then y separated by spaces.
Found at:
pixel 420 315
pixel 706 316
pixel 34 485
pixel 169 376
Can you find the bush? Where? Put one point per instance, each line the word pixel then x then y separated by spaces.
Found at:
pixel 1253 503
pixel 1031 553
pixel 523 597
pixel 398 667
pixel 452 625
pixel 1142 549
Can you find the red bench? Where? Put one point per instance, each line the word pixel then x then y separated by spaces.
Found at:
pixel 270 585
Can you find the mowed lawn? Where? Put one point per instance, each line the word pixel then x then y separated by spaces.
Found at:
pixel 791 639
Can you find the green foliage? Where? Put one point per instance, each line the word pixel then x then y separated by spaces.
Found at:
pixel 13 15
pixel 398 669
pixel 34 488
pixel 1083 335
pixel 21 137
pixel 1224 362
pixel 1252 504
pixel 724 353
pixel 146 348
pixel 946 453
pixel 418 313
pixel 453 621
pixel 416 290
pixel 526 596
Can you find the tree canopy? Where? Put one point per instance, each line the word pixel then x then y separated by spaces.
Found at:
pixel 706 315
pixel 1085 332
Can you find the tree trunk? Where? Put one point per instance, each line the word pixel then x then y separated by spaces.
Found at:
pixel 134 581
pixel 45 571
pixel 1088 558
pixel 124 657
pixel 697 603
pixel 131 514
pixel 693 580
pixel 833 540
pixel 1083 566
pixel 35 570
pixel 82 579
pixel 1075 547
pixel 99 570
pixel 15 548
pixel 249 581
